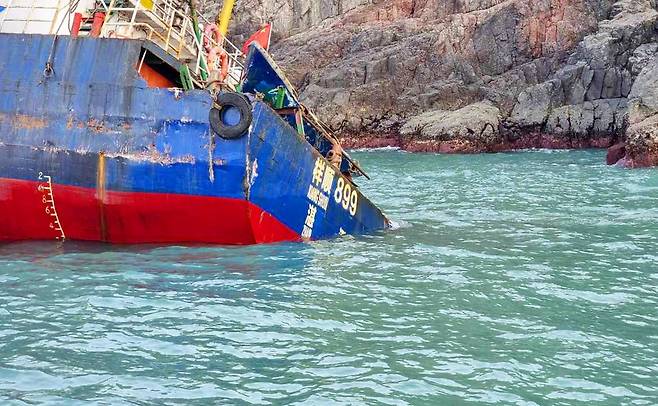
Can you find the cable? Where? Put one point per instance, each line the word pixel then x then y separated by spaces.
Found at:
pixel 49 71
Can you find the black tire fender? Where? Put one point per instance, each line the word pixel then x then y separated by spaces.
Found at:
pixel 237 101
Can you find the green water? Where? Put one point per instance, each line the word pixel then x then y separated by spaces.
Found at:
pixel 527 278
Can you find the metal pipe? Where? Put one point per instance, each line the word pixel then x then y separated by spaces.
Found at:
pixel 225 16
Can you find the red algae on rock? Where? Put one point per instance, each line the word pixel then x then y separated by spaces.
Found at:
pixel 461 146
pixel 615 153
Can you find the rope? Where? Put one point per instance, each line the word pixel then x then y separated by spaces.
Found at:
pixel 49 71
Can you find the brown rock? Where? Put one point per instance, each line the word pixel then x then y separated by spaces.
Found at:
pixel 616 153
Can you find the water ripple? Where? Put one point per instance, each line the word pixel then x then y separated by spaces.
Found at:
pixel 526 278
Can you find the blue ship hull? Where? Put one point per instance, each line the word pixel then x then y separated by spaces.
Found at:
pixel 92 152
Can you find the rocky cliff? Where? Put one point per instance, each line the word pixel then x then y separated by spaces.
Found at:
pixel 473 75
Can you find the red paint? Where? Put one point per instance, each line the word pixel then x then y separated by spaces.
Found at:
pixel 266 228
pixel 97 24
pixel 77 23
pixel 132 218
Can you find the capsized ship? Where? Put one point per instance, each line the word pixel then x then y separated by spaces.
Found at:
pixel 123 121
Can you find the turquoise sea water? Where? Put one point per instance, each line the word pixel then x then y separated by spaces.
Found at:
pixel 528 278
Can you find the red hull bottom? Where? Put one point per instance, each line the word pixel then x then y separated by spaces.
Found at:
pixel 27 212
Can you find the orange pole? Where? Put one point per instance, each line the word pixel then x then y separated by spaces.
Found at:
pixel 96 26
pixel 77 22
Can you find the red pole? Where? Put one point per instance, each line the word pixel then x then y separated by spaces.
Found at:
pixel 99 19
pixel 77 22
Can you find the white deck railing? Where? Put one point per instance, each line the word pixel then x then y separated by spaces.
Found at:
pixel 172 30
pixel 164 23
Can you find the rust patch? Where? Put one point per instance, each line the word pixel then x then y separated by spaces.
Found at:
pixel 100 195
pixel 151 155
pixel 29 122
pixel 154 156
pixel 96 126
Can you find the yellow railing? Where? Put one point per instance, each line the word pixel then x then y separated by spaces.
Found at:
pixel 171 29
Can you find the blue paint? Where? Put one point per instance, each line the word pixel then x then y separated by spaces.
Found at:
pixel 262 77
pixel 154 140
pixel 231 116
pixel 122 174
pixel 285 174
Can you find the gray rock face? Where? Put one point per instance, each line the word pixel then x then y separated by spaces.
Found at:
pixel 589 94
pixel 288 16
pixel 535 104
pixel 642 134
pixel 562 67
pixel 644 95
pixel 642 56
pixel 475 122
pixel 600 117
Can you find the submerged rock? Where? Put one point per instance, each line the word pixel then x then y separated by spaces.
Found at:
pixel 616 153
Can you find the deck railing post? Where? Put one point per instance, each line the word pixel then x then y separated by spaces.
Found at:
pixel 136 8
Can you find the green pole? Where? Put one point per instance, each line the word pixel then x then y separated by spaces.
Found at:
pixel 199 38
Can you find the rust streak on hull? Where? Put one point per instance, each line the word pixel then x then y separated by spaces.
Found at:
pixel 100 194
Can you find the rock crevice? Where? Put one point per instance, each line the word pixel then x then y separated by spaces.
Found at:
pixel 575 72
